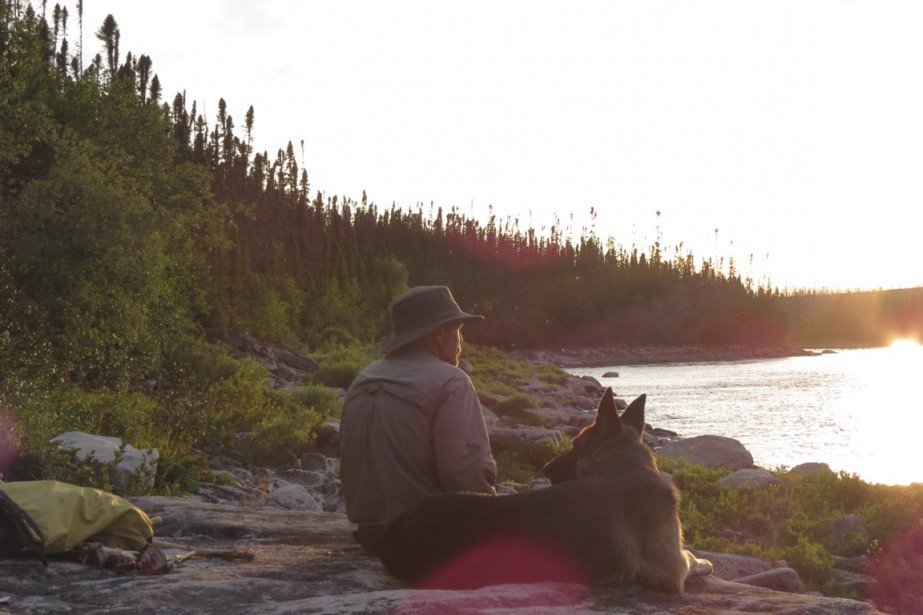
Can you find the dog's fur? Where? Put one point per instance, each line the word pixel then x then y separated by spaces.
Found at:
pixel 609 511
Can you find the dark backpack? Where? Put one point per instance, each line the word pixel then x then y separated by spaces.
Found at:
pixel 18 532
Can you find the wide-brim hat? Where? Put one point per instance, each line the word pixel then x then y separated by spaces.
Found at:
pixel 419 311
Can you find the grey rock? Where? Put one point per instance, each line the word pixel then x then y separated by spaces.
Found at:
pixel 308 563
pixel 490 417
pixel 305 478
pixel 557 414
pixel 859 563
pixel 811 468
pixel 729 566
pixel 211 492
pixel 293 497
pixel 242 475
pixel 505 436
pixel 582 419
pixel 314 462
pixel 749 478
pixel 540 483
pixel 134 464
pixel 284 373
pixel 295 360
pixel 844 531
pixel 862 584
pixel 662 433
pixel 333 466
pixel 505 489
pixel 620 404
pixel 779 579
pixel 710 451
pixel 611 375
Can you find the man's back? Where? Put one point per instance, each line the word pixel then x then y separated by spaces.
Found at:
pixel 411 426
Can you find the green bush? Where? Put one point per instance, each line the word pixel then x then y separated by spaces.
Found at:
pixel 338 365
pixel 493 367
pixel 523 461
pixel 281 436
pixel 790 521
pixel 319 398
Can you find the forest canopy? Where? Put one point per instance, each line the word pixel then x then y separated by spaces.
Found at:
pixel 130 222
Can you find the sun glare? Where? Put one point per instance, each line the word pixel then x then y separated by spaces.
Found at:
pixel 904 345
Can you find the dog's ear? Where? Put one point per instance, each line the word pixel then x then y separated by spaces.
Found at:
pixel 607 417
pixel 634 414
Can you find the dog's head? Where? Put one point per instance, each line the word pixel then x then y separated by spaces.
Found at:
pixel 608 430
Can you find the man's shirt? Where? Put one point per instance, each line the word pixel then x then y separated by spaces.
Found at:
pixel 411 427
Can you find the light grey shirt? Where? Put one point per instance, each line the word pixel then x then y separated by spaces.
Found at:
pixel 411 427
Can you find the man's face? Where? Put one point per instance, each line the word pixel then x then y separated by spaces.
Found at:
pixel 449 342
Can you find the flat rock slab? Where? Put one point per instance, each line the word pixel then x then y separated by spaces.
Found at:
pixel 308 563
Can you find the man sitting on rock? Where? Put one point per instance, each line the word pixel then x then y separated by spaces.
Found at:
pixel 412 423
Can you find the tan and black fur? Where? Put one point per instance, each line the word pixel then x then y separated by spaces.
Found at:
pixel 608 509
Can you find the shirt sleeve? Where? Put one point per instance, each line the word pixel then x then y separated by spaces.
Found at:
pixel 463 457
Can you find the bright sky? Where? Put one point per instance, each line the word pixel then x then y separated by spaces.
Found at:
pixel 795 128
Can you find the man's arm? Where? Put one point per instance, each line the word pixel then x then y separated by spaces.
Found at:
pixel 463 457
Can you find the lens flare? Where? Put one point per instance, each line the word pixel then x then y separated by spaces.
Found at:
pixel 9 444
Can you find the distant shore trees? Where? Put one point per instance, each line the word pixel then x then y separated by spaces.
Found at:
pixel 127 221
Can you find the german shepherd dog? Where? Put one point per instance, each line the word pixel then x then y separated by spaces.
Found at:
pixel 609 517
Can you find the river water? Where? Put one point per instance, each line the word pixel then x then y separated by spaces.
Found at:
pixel 857 410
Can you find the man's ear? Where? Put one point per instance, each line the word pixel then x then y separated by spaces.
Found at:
pixel 607 417
pixel 634 414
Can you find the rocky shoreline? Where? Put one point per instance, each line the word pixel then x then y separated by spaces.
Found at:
pixel 639 355
pixel 294 517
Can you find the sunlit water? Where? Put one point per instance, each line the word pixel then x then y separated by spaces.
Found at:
pixel 857 410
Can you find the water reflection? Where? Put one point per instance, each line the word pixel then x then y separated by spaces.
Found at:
pixel 858 410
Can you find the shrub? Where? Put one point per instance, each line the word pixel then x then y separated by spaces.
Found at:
pixel 521 462
pixel 338 365
pixel 317 397
pixel 790 521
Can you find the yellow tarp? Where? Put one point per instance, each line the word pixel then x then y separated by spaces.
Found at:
pixel 69 515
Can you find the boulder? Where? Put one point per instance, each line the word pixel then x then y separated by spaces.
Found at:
pixel 490 418
pixel 582 419
pixel 314 462
pixel 306 478
pixel 846 582
pixel 293 497
pixel 224 494
pixel 133 464
pixel 749 478
pixel 611 375
pixel 295 360
pixel 506 436
pixel 309 563
pixel 554 414
pixel 710 451
pixel 660 432
pixel 859 563
pixel 845 532
pixel 729 566
pixel 779 579
pixel 811 468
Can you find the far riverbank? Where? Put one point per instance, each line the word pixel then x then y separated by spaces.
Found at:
pixel 642 355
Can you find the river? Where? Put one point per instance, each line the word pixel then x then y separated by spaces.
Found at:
pixel 860 411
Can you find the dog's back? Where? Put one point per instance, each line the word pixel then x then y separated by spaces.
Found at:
pixel 609 518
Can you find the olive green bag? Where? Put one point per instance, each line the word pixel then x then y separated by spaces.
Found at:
pixel 51 517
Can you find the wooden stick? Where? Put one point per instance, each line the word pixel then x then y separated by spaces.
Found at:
pixel 228 554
